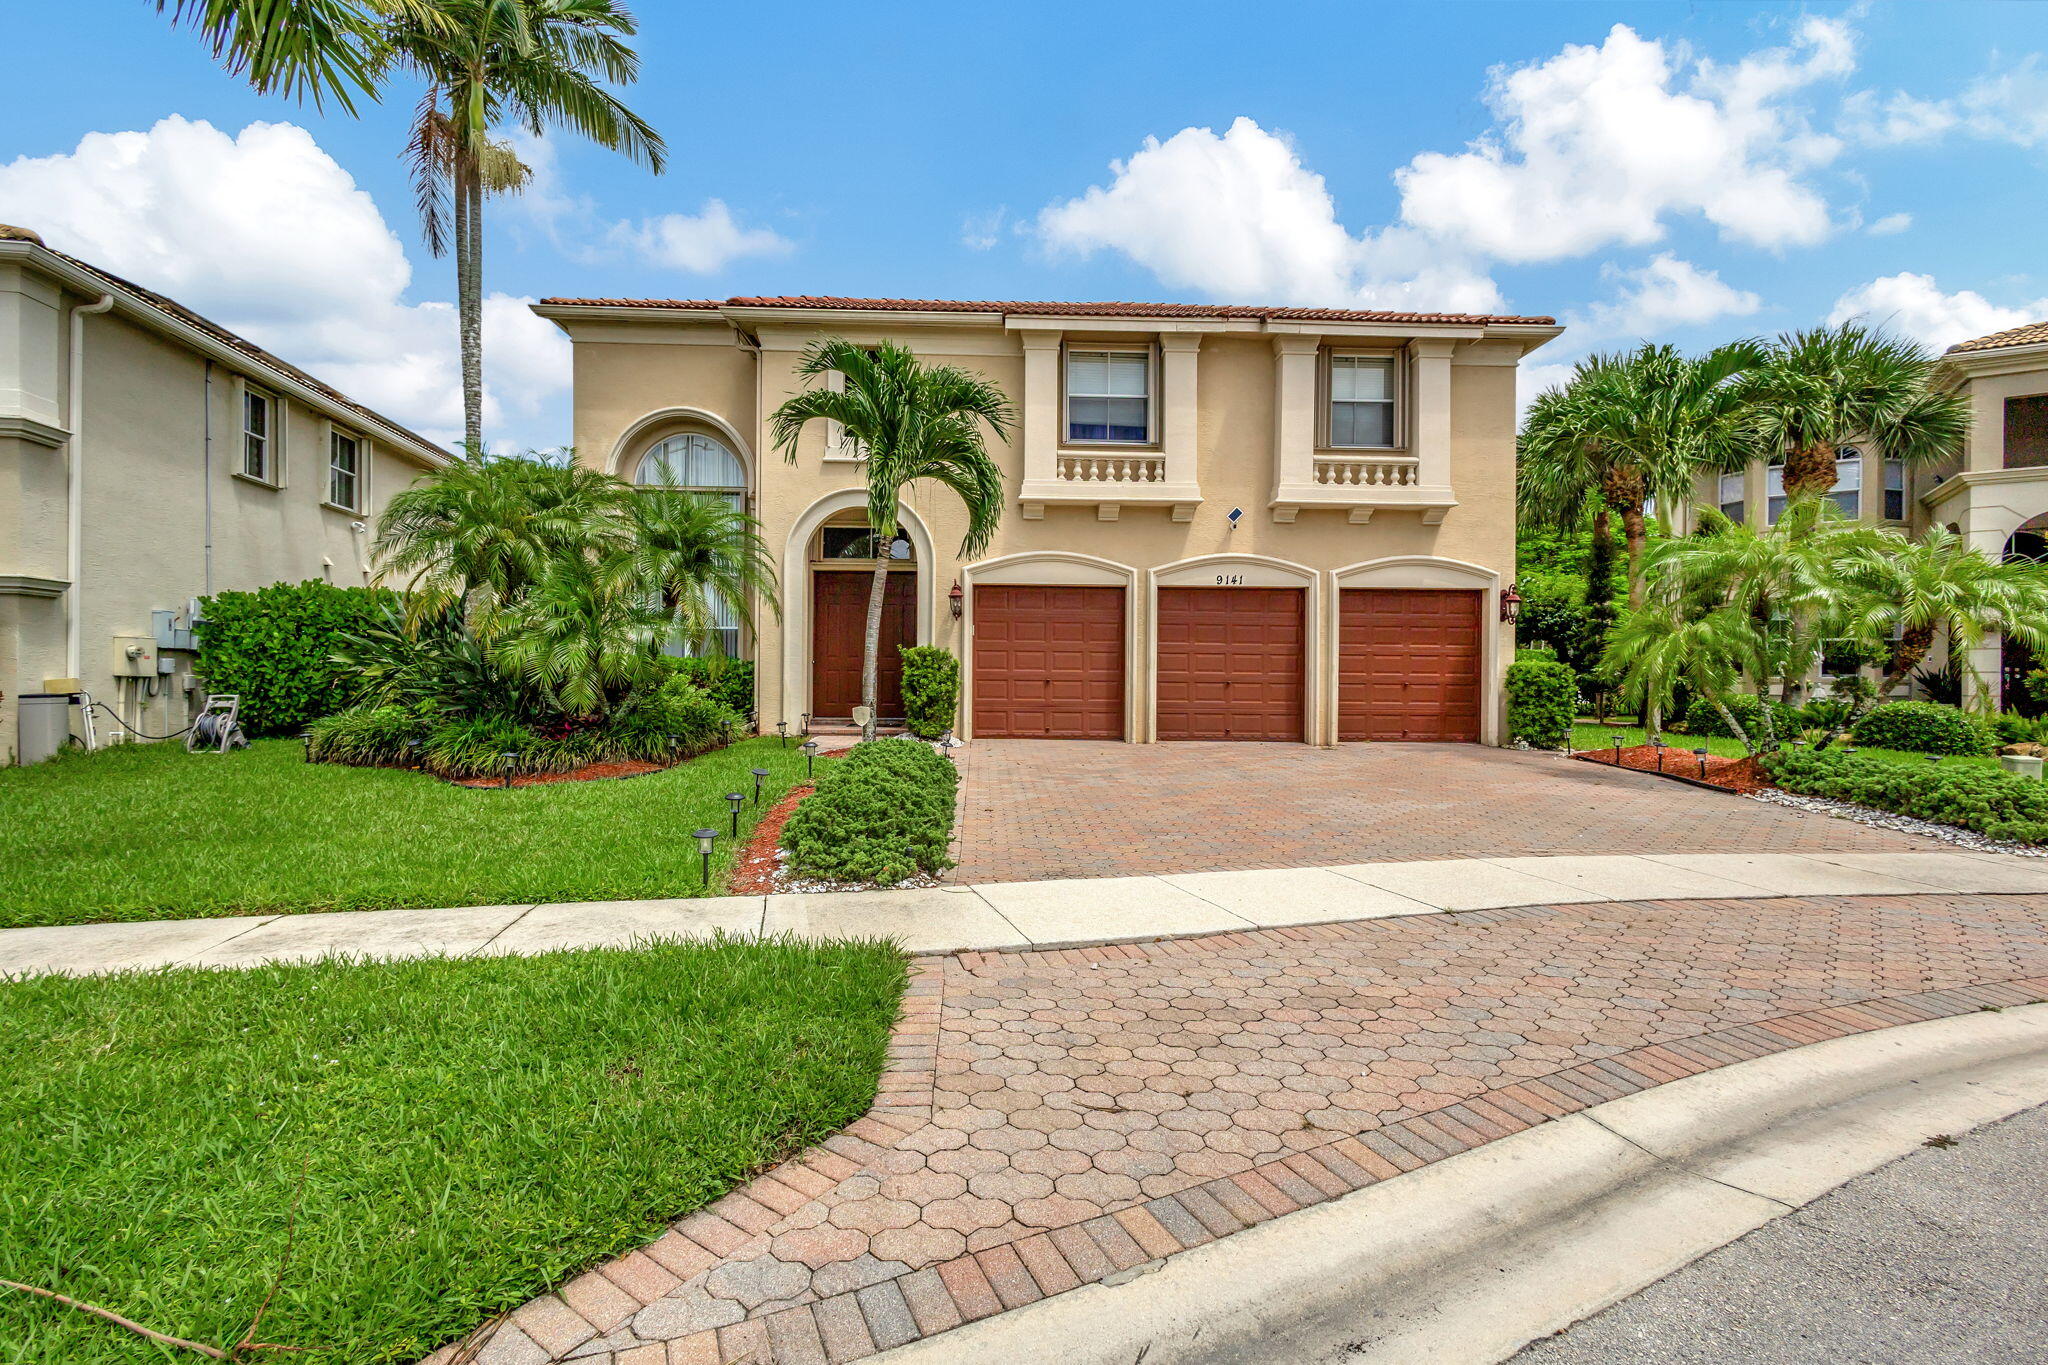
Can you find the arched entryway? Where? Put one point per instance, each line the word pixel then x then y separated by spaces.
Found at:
pixel 832 554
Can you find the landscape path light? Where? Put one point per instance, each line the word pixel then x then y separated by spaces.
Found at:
pixel 759 774
pixel 782 732
pixel 705 839
pixel 1701 755
pixel 810 748
pixel 511 757
pixel 735 800
pixel 1660 747
pixel 306 742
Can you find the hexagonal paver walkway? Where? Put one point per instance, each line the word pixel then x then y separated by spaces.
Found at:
pixel 1055 1118
pixel 1037 809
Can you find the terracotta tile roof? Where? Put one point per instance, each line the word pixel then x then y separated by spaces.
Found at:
pixel 1056 308
pixel 171 307
pixel 2033 334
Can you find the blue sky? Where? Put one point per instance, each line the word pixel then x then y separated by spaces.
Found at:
pixel 1684 172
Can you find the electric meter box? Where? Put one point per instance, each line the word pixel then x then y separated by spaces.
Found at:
pixel 134 656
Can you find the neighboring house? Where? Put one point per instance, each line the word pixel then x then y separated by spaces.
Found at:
pixel 1996 495
pixel 1224 522
pixel 149 457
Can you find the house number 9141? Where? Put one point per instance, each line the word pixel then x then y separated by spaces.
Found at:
pixel 1229 580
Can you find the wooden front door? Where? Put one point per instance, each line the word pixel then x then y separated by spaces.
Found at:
pixel 1408 662
pixel 1231 663
pixel 1048 663
pixel 839 624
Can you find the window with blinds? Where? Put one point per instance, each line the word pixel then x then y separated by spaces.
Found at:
pixel 1109 396
pixel 1362 401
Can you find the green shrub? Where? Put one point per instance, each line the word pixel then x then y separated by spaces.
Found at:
pixel 680 720
pixel 1923 727
pixel 881 814
pixel 1539 654
pixel 1543 701
pixel 477 748
pixel 729 681
pixel 931 690
pixel 274 648
pixel 1702 717
pixel 2009 727
pixel 366 735
pixel 1967 795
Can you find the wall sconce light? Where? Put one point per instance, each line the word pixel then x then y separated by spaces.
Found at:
pixel 957 598
pixel 705 839
pixel 1510 604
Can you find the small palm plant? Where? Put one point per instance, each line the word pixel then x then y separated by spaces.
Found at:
pixel 1915 590
pixel 1661 644
pixel 695 551
pixel 912 421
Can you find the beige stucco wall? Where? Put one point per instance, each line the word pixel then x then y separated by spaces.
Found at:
pixel 699 370
pixel 143 449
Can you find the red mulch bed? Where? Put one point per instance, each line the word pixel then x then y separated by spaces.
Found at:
pixel 1734 774
pixel 754 874
pixel 589 772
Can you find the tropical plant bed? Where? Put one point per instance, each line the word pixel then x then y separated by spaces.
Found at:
pixel 589 772
pixel 1720 772
pixel 403 1149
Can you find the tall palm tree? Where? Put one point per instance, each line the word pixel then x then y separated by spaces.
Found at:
pixel 913 421
pixel 540 64
pixel 695 551
pixel 1627 428
pixel 1818 390
pixel 311 49
pixel 1917 589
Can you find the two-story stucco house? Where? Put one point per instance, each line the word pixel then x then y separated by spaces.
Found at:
pixel 149 457
pixel 1224 522
pixel 1995 495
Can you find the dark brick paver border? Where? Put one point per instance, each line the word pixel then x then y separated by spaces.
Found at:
pixel 854 1247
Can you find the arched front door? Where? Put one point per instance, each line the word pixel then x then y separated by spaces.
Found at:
pixel 842 568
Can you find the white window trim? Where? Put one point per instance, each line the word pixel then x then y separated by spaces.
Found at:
pixel 1150 351
pixel 1326 402
pixel 839 447
pixel 273 446
pixel 362 470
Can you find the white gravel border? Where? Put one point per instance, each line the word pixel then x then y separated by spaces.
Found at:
pixel 1904 824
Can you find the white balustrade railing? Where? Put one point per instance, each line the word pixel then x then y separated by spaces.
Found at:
pixel 1365 471
pixel 1112 468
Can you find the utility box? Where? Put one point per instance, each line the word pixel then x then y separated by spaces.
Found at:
pixel 174 629
pixel 42 725
pixel 2021 765
pixel 134 656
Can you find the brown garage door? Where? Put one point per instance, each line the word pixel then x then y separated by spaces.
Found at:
pixel 1048 663
pixel 1230 663
pixel 1408 664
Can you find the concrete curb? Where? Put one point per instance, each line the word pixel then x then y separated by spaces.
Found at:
pixel 1469 1259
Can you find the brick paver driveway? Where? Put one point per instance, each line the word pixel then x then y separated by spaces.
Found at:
pixel 1051 1118
pixel 1037 809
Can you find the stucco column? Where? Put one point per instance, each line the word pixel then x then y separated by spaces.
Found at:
pixel 1178 353
pixel 1984 446
pixel 1041 405
pixel 1429 428
pixel 1294 410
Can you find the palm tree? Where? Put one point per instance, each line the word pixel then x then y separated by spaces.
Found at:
pixel 537 63
pixel 1625 429
pixel 913 421
pixel 1918 588
pixel 584 637
pixel 1817 390
pixel 1656 646
pixel 694 551
pixel 310 49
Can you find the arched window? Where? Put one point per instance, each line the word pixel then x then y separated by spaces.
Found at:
pixel 704 466
pixel 694 464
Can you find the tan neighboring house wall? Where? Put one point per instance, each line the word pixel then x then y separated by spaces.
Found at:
pixel 136 403
pixel 1237 423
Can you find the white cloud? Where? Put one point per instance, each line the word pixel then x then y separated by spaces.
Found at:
pixel 1915 305
pixel 702 243
pixel 267 235
pixel 981 231
pixel 1239 217
pixel 1667 292
pixel 2009 105
pixel 1600 145
pixel 1890 223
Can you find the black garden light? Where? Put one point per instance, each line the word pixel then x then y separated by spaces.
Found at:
pixel 705 839
pixel 306 741
pixel 759 774
pixel 1701 755
pixel 1934 758
pixel 1660 746
pixel 1848 751
pixel 782 732
pixel 804 725
pixel 412 752
pixel 1617 751
pixel 510 757
pixel 735 800
pixel 810 748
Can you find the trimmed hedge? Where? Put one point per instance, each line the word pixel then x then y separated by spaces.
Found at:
pixel 931 690
pixel 1967 795
pixel 881 814
pixel 729 681
pixel 1543 700
pixel 1703 718
pixel 275 648
pixel 1923 727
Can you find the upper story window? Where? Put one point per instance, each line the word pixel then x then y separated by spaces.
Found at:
pixel 1774 490
pixel 1362 401
pixel 1848 490
pixel 1894 490
pixel 259 441
pixel 2026 432
pixel 1732 493
pixel 344 471
pixel 695 464
pixel 1109 396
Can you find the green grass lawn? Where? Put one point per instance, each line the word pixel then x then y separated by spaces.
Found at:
pixel 151 832
pixel 1592 735
pixel 468 1133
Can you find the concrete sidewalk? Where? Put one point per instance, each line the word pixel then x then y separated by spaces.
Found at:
pixel 1021 914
